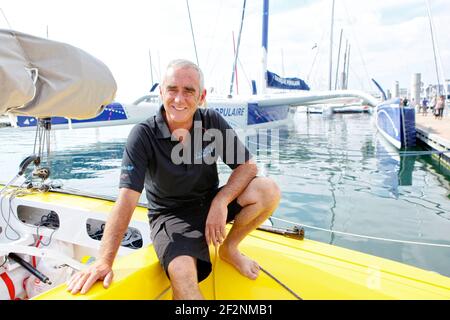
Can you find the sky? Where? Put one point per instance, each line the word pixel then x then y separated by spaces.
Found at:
pixel 389 40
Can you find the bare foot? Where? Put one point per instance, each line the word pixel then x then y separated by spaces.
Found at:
pixel 243 264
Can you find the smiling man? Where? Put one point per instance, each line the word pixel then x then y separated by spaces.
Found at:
pixel 187 209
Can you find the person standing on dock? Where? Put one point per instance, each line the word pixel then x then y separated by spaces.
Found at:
pixel 187 209
pixel 440 107
pixel 433 104
pixel 424 106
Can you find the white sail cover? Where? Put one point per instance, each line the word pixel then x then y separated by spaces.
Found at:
pixel 70 82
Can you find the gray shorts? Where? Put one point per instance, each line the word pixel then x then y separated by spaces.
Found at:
pixel 182 232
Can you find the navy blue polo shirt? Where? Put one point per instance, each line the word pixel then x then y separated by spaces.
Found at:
pixel 176 174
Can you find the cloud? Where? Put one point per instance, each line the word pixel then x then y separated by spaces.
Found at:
pixel 389 40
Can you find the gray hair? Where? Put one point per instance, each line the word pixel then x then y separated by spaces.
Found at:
pixel 183 63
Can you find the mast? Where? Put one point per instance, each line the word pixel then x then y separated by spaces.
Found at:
pixel 237 49
pixel 344 69
pixel 331 47
pixel 265 37
pixel 159 67
pixel 151 66
pixel 434 47
pixel 337 66
pixel 348 66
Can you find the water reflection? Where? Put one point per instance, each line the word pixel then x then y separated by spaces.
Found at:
pixel 397 169
pixel 338 174
pixel 334 173
pixel 88 161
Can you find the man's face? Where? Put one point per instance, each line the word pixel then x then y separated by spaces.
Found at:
pixel 181 95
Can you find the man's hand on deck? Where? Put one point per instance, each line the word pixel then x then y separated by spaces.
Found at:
pixel 83 280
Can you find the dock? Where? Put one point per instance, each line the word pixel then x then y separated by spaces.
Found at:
pixel 435 133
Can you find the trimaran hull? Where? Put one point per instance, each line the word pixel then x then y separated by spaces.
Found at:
pixel 242 112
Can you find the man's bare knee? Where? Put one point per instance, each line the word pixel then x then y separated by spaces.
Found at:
pixel 182 267
pixel 268 192
pixel 183 278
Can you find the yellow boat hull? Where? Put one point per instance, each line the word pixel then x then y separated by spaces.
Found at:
pixel 311 269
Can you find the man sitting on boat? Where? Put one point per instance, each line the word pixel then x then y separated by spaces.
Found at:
pixel 187 209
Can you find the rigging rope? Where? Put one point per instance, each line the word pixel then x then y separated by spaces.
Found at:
pixel 216 257
pixel 213 36
pixel 192 31
pixel 214 272
pixel 318 47
pixel 280 283
pixel 434 45
pixel 364 236
pixel 237 48
pixel 18 192
pixel 358 47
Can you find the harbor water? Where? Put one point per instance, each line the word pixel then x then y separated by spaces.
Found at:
pixel 335 174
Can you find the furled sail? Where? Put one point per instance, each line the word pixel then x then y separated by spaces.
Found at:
pixel 45 78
